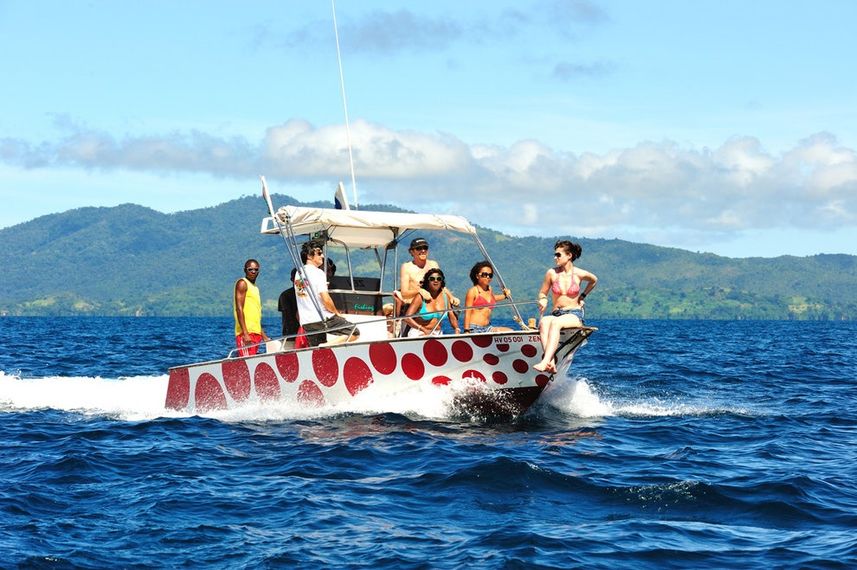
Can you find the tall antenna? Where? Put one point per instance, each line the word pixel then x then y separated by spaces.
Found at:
pixel 344 105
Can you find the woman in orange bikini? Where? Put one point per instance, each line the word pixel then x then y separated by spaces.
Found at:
pixel 480 300
pixel 563 281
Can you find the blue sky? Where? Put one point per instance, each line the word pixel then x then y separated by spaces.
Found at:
pixel 718 126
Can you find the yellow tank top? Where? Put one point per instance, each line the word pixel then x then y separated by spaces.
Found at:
pixel 252 310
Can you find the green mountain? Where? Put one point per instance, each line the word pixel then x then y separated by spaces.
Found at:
pixel 129 260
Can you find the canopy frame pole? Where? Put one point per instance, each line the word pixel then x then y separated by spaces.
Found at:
pixel 291 246
pixel 347 260
pixel 518 318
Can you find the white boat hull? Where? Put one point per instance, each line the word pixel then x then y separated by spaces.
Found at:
pixel 499 363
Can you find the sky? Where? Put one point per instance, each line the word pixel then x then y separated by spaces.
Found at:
pixel 714 125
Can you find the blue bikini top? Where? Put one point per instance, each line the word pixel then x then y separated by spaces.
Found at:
pixel 434 315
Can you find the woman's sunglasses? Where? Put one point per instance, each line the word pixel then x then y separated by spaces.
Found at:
pixel 488 275
pixel 435 278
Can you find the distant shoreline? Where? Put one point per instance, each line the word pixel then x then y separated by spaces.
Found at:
pixel 276 319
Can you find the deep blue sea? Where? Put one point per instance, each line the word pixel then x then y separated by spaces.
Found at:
pixel 685 444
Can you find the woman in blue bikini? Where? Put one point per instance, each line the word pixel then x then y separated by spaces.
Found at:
pixel 563 281
pixel 424 317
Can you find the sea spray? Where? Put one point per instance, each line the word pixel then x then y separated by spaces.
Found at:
pixel 133 398
pixel 576 397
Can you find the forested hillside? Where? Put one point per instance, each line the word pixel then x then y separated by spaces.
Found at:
pixel 129 260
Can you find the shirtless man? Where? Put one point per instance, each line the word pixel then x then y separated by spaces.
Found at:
pixel 412 273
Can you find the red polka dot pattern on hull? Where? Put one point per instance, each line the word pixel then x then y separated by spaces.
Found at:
pixel 413 366
pixel 178 389
pixel 208 395
pixel 267 385
pixel 325 366
pixel 236 377
pixel 391 365
pixel 483 340
pixel 435 352
pixel 473 374
pixel 491 359
pixel 288 366
pixel 356 375
pixel 441 380
pixel 462 351
pixel 310 395
pixel 383 357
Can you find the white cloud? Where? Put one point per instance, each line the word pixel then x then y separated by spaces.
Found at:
pixel 743 160
pixel 297 149
pixel 651 188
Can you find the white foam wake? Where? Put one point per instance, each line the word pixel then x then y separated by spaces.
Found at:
pixel 656 407
pixel 575 396
pixel 142 397
pixel 422 400
pixel 132 398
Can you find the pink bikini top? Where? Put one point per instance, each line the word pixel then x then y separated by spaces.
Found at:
pixel 482 302
pixel 573 289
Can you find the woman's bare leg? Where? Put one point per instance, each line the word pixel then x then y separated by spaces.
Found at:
pixel 544 325
pixel 551 340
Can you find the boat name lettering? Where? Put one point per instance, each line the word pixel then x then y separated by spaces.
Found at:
pixel 516 338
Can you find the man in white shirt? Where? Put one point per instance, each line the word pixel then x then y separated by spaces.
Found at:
pixel 315 325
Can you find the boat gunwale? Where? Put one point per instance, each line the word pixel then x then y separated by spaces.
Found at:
pixel 588 330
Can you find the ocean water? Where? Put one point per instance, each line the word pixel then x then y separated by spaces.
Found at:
pixel 681 444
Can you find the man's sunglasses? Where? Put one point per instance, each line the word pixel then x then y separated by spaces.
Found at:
pixel 557 254
pixel 252 270
pixel 488 275
pixel 421 248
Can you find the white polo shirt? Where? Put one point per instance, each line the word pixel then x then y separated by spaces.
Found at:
pixel 318 282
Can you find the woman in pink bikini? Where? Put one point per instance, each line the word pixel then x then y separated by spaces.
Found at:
pixel 563 281
pixel 480 300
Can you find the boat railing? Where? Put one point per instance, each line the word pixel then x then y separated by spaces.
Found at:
pixel 391 325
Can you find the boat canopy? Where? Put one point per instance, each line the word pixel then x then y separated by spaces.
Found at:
pixel 361 228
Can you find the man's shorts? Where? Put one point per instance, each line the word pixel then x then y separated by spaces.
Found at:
pixel 315 331
pixel 255 339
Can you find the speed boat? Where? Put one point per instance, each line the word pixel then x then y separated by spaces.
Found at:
pixel 490 373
